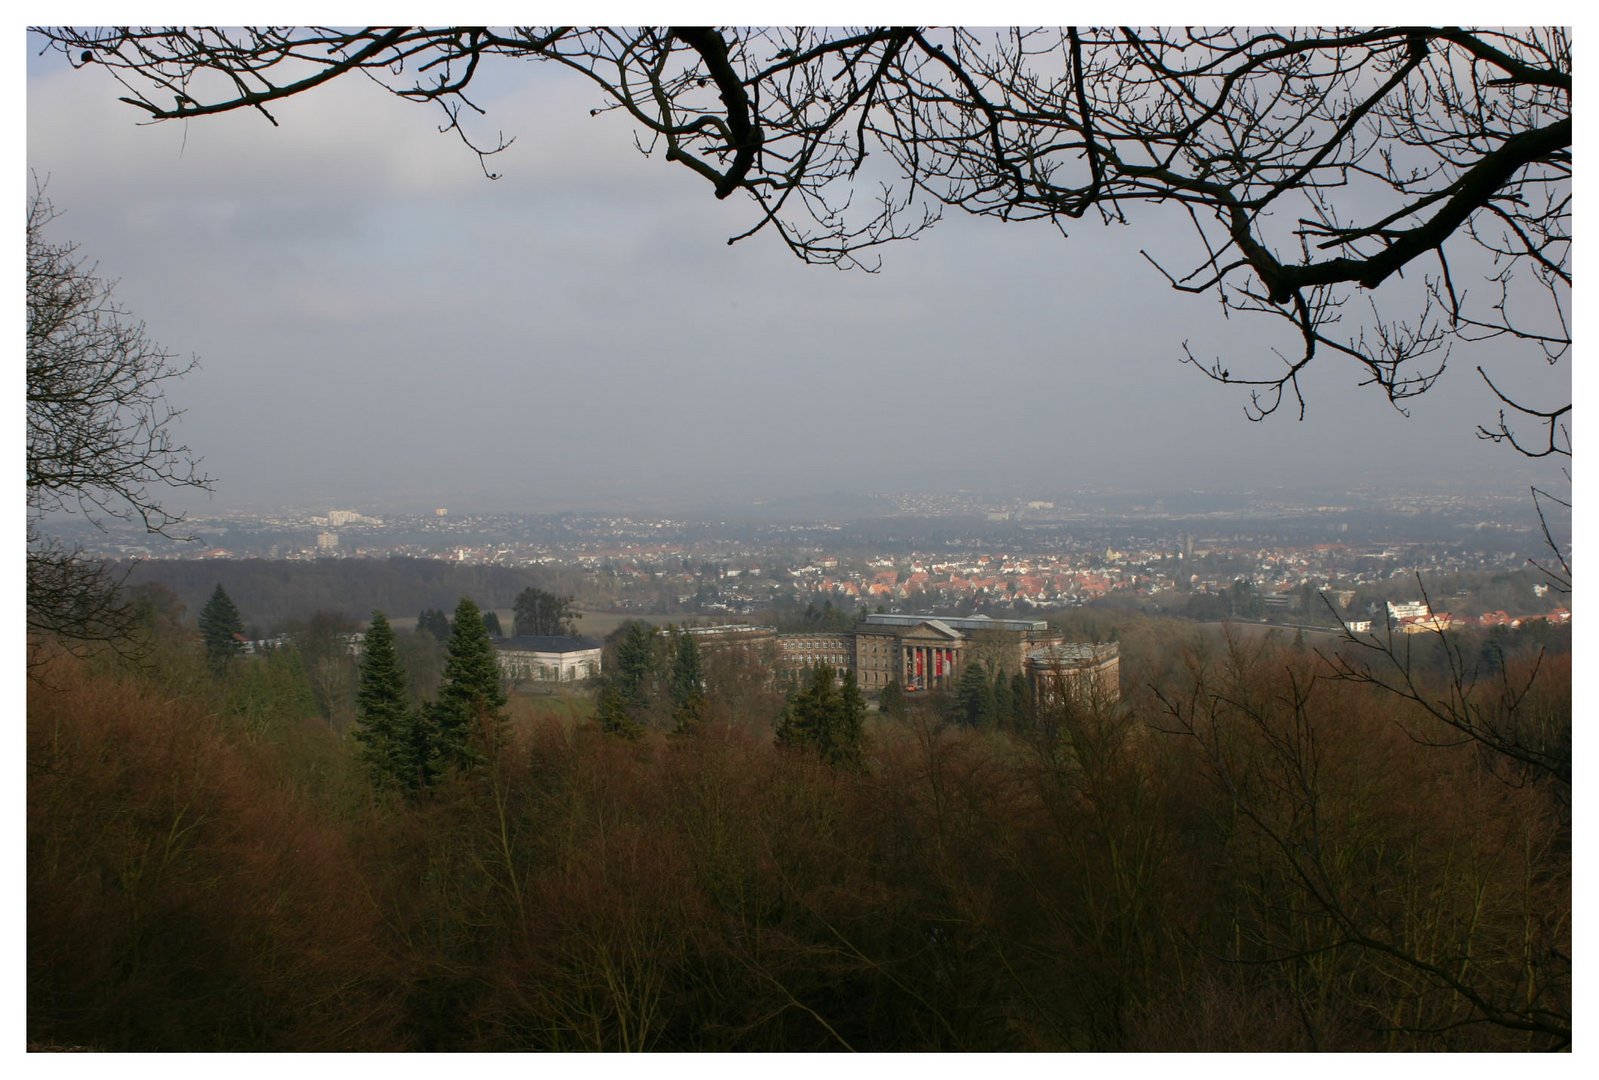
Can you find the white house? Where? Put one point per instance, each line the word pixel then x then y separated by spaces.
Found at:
pixel 547 659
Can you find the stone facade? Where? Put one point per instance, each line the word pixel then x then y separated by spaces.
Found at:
pixel 1076 672
pixel 927 652
pixel 801 652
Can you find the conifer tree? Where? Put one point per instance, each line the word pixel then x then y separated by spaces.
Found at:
pixel 635 666
pixel 471 702
pixel 796 723
pixel 687 683
pixel 1021 702
pixel 435 622
pixel 628 693
pixel 845 733
pixel 1003 709
pixel 891 701
pixel 384 716
pixel 611 712
pixel 823 718
pixel 219 622
pixel 974 697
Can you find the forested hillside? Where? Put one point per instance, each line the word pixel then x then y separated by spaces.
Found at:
pixel 271 591
pixel 1247 855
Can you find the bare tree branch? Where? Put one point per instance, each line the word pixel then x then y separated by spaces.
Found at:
pixel 1315 165
pixel 100 433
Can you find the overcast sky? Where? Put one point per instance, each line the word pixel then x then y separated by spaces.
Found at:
pixel 381 327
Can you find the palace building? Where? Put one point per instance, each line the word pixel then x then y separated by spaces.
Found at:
pixel 929 652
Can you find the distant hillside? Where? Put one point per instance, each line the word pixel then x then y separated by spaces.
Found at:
pixel 271 591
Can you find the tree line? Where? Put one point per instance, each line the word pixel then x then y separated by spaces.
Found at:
pixel 408 741
pixel 273 591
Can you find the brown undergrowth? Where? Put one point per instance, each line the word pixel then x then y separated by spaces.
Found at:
pixel 1256 857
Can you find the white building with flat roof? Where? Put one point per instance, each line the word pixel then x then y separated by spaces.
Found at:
pixel 532 658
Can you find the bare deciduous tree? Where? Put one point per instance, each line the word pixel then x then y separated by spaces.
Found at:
pixel 1472 932
pixel 1522 738
pixel 100 435
pixel 1388 191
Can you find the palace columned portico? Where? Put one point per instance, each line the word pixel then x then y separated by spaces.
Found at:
pixel 928 667
pixel 929 652
pixel 929 655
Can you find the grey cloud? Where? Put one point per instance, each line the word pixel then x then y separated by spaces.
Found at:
pixel 372 314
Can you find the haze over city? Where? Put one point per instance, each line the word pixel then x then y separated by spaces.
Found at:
pixel 379 325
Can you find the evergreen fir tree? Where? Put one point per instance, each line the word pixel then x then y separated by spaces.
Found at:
pixel 635 666
pixel 823 718
pixel 891 701
pixel 383 712
pixel 491 623
pixel 845 733
pixel 434 622
pixel 416 757
pixel 803 717
pixel 1021 702
pixel 219 623
pixel 471 703
pixel 974 697
pixel 1002 704
pixel 687 684
pixel 611 712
